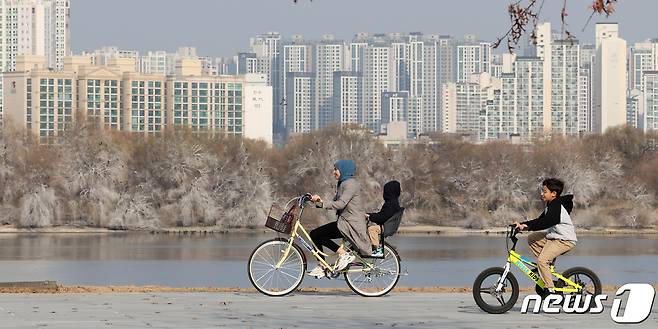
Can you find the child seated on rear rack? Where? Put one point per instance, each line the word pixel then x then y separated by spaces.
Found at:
pixel 375 220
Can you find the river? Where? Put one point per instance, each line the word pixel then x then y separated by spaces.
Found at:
pixel 220 260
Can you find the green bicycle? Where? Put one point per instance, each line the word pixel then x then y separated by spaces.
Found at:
pixel 496 290
pixel 277 266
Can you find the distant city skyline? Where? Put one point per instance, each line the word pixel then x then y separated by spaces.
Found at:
pixel 387 79
pixel 223 28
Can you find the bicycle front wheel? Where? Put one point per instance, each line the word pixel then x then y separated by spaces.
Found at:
pixel 486 296
pixel 271 280
pixel 376 278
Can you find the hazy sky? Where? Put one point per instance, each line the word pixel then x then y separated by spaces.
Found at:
pixel 223 27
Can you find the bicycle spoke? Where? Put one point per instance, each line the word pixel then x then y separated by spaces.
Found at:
pixel 487 290
pixel 374 277
pixel 288 275
pixel 290 267
pixel 268 256
pixel 262 276
pixel 501 300
pixel 363 282
pixel 263 263
pixel 384 262
pixel 291 259
pixel 588 291
pixel 269 278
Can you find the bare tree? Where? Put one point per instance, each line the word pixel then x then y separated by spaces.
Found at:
pixel 525 14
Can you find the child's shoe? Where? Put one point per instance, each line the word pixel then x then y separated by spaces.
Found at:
pixel 379 252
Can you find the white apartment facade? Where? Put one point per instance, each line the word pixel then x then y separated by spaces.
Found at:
pixel 584 100
pixel 564 77
pixel 330 56
pixel 643 57
pixel 377 79
pixel 531 116
pixel 395 107
pixel 473 57
pixel 34 27
pixel 649 117
pixel 347 97
pixel 300 102
pixel 296 56
pixel 609 79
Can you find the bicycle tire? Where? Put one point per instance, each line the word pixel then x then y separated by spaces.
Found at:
pixel 496 273
pixel 386 268
pixel 263 259
pixel 574 274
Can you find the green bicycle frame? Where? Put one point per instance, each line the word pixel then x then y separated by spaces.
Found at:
pixel 526 266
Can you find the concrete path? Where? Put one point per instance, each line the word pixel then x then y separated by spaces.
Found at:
pixel 300 310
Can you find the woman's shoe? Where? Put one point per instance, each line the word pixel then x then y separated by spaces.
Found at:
pixel 317 272
pixel 343 261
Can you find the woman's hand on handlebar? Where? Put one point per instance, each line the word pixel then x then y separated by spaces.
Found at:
pixel 316 198
pixel 519 226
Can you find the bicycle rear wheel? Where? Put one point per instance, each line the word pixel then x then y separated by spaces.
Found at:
pixel 374 277
pixel 264 274
pixel 588 280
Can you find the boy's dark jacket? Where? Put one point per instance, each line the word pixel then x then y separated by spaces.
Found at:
pixel 391 203
pixel 551 216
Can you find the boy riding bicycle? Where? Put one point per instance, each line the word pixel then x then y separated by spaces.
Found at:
pixel 560 235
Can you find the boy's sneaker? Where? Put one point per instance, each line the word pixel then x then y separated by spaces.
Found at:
pixel 317 272
pixel 343 261
pixel 379 252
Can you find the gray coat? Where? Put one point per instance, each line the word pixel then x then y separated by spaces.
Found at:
pixel 351 216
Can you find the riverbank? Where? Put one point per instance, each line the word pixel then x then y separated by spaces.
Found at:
pixel 405 230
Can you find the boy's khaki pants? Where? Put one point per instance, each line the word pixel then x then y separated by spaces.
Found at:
pixel 546 250
pixel 374 232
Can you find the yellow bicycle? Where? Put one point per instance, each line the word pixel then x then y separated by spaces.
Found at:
pixel 277 266
pixel 496 290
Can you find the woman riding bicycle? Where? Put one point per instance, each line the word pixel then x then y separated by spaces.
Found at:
pixel 350 223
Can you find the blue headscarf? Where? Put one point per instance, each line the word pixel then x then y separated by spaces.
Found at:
pixel 347 169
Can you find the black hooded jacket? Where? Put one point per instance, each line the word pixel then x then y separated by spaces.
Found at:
pixel 391 203
pixel 551 216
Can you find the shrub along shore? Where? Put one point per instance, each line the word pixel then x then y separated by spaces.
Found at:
pixel 181 179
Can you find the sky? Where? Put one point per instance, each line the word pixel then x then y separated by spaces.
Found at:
pixel 223 27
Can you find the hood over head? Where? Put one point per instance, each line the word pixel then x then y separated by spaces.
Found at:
pixel 567 202
pixel 392 190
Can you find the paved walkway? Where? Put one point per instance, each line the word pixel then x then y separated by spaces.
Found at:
pixel 301 310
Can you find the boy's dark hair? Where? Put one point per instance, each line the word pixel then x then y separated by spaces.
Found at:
pixel 554 185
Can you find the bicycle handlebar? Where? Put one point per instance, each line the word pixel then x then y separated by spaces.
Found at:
pixel 301 199
pixel 511 234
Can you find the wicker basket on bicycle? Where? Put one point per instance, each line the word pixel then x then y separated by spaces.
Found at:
pixel 281 220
